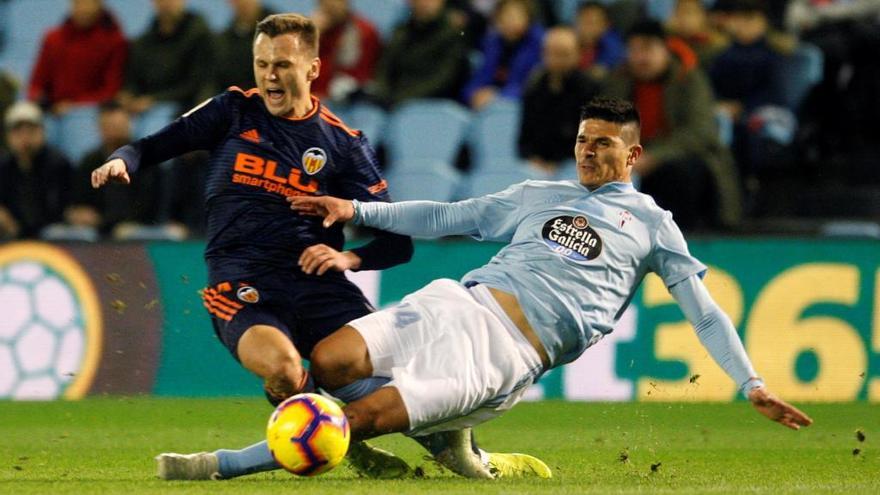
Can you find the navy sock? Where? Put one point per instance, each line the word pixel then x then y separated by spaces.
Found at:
pixel 249 460
pixel 360 388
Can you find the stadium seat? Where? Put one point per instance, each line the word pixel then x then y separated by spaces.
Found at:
pixel 429 129
pixel 27 22
pixel 157 117
pixel 566 9
pixel 77 132
pixel 133 17
pixel 659 10
pixel 366 117
pixel 148 233
pixel 725 127
pixel 496 177
pixel 58 232
pixel 799 72
pixel 855 229
pixel 567 171
pixel 494 135
pixel 4 27
pixel 300 6
pixel 425 179
pixel 217 16
pixel 384 14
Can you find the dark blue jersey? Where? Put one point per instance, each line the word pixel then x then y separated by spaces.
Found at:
pixel 257 160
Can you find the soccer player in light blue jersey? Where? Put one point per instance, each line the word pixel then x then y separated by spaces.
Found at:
pixel 460 353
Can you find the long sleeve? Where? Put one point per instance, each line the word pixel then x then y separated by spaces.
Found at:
pixel 361 179
pixel 38 89
pixel 715 331
pixel 693 129
pixel 528 56
pixel 482 76
pixel 417 218
pixel 384 251
pixel 198 129
pixel 114 71
pixel 493 217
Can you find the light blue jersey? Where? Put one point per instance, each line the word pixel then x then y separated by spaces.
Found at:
pixel 574 259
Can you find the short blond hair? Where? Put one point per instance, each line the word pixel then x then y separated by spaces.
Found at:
pixel 300 25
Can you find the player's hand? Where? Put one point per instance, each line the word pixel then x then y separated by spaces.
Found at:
pixel 777 409
pixel 112 171
pixel 332 209
pixel 321 257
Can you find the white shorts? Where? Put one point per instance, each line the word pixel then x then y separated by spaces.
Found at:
pixel 453 354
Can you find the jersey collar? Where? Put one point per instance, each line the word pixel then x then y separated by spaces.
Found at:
pixel 316 107
pixel 621 187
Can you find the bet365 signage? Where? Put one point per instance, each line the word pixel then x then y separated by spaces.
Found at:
pixel 808 313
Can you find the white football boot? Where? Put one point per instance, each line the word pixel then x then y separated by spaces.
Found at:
pixel 198 466
pixel 457 451
pixel 454 450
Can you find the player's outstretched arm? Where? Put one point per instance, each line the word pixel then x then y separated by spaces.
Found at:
pixel 777 409
pixel 718 335
pixel 112 171
pixel 332 209
pixel 419 218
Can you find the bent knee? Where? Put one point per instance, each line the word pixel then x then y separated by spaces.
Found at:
pixel 266 350
pixel 378 414
pixel 368 422
pixel 335 363
pixel 287 377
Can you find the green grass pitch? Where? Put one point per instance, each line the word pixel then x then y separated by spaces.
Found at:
pixel 106 446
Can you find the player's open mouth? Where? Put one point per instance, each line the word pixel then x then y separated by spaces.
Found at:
pixel 275 95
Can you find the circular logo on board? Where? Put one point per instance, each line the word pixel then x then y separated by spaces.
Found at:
pixel 572 237
pixel 51 329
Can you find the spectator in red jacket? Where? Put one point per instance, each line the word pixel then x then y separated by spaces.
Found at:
pixel 349 50
pixel 81 61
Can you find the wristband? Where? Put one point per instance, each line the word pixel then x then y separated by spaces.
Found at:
pixel 357 211
pixel 751 384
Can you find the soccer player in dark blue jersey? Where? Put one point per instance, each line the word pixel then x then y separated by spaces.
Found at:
pixel 276 282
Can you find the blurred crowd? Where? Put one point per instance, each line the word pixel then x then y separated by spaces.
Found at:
pixel 752 110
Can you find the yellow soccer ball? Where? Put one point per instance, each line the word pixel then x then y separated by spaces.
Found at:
pixel 308 434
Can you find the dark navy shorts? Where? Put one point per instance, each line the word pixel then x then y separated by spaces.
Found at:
pixel 305 308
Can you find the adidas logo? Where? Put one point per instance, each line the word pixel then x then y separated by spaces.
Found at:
pixel 251 135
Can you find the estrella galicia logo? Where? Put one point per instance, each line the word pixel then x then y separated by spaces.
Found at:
pixel 572 237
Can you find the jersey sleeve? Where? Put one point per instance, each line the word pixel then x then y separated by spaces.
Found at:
pixel 716 332
pixel 497 215
pixel 493 217
pixel 198 129
pixel 670 258
pixel 362 180
pixel 360 177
